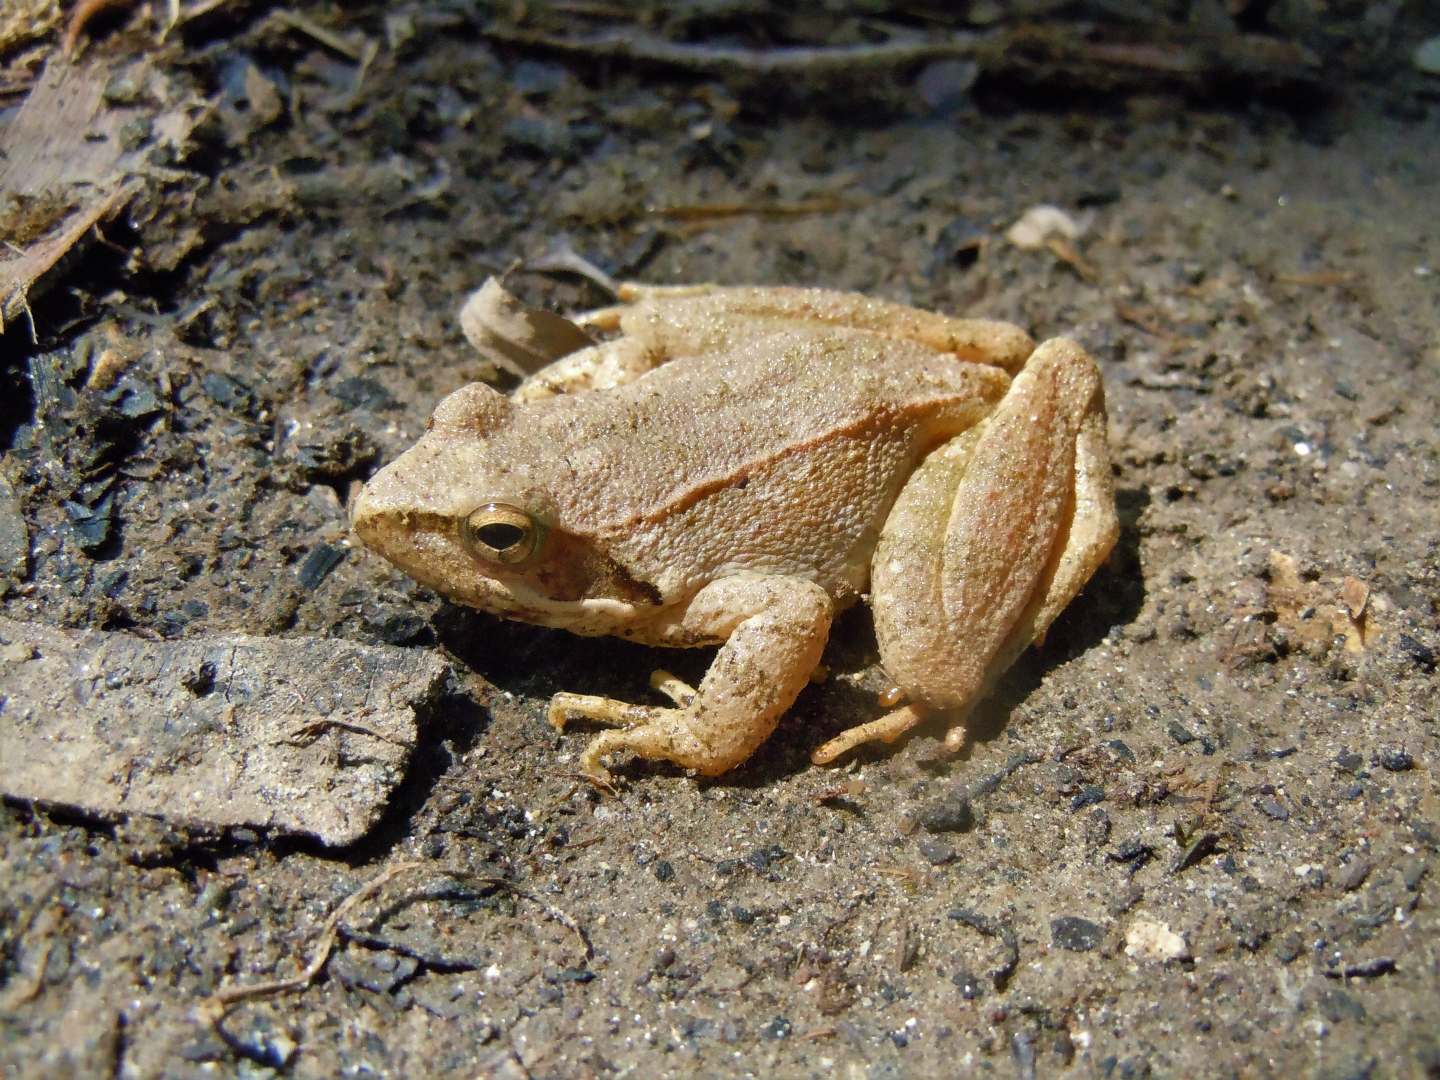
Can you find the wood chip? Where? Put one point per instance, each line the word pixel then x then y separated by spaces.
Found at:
pixel 1355 595
pixel 1309 610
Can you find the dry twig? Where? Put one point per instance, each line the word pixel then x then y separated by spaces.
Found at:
pixel 722 60
pixel 217 1004
pixel 214 1008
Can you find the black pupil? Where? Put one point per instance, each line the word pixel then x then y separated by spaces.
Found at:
pixel 500 535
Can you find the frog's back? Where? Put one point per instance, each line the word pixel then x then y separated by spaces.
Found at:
pixel 699 425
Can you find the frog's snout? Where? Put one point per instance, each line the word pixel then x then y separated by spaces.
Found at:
pixel 369 507
pixel 382 514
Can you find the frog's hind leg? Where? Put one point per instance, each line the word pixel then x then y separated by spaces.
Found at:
pixel 689 319
pixel 995 533
pixel 598 367
pixel 630 293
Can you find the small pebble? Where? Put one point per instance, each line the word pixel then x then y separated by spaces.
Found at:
pixel 1022 1049
pixel 949 813
pixel 1155 941
pixel 1349 760
pixel 970 986
pixel 1076 934
pixel 318 564
pixel 1394 759
pixel 1038 224
pixel 1415 872
pixel 936 852
pixel 17 652
pixel 1063 1047
pixel 1121 749
pixel 779 1028
pixel 1353 876
pixel 1420 654
pixel 1273 809
pixel 1426 56
pixel 1180 733
pixel 763 858
pixel 1097 828
pixel 946 83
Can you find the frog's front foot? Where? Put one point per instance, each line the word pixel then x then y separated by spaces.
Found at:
pixel 654 733
pixel 645 730
pixel 774 629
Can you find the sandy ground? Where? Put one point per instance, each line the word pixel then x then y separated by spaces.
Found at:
pixel 1196 831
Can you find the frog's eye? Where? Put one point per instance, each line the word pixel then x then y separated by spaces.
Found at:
pixel 499 533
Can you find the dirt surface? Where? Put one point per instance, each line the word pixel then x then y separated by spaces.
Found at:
pixel 1196 832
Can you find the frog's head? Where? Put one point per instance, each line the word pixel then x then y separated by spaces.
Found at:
pixel 467 512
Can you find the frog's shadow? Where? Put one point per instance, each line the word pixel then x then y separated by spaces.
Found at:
pixel 536 662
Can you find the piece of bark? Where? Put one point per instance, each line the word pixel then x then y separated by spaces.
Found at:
pixel 23 272
pixel 303 735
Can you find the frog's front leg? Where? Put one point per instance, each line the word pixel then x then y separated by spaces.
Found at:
pixel 993 535
pixel 774 630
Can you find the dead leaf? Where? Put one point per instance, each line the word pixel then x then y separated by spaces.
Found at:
pixel 514 336
pixel 1315 612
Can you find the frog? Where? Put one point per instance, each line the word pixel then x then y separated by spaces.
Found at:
pixel 732 466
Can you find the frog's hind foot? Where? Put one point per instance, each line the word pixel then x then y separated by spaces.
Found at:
pixel 1024 508
pixel 886 729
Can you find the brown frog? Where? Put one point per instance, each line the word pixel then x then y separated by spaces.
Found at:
pixel 735 465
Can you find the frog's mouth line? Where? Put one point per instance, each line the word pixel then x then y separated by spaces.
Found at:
pixel 427 545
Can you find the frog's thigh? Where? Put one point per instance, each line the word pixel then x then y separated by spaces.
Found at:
pixel 995 533
pixel 599 367
pixel 774 630
pixel 631 293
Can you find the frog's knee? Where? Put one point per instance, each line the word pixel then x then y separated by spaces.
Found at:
pixel 1068 370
